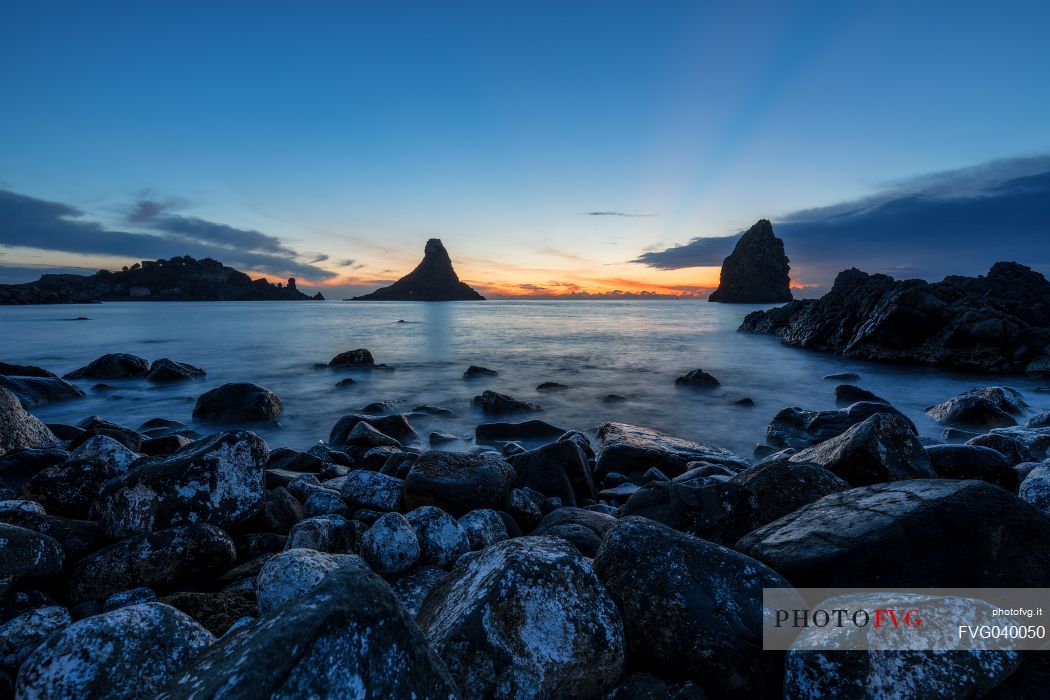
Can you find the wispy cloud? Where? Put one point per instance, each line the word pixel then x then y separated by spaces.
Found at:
pixel 629 215
pixel 36 223
pixel 957 221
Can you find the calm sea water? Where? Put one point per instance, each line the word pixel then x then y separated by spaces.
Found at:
pixel 632 349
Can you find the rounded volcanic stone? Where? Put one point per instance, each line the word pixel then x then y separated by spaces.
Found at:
pixel 458 483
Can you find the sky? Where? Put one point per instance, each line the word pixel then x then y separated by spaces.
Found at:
pixel 586 148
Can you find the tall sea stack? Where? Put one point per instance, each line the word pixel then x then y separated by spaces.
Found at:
pixel 756 272
pixel 432 280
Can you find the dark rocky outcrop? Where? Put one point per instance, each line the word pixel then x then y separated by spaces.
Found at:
pixel 178 279
pixel 116 365
pixel 36 391
pixel 800 428
pixel 757 271
pixel 972 462
pixel 999 322
pixel 432 280
pixel 630 448
pixel 699 379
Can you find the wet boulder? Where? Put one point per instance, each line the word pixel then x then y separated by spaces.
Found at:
pixel 718 511
pixel 526 431
pixel 413 587
pixel 167 370
pixel 584 529
pixel 971 412
pixel 1012 447
pixel 18 429
pixel 483 528
pixel 1040 420
pixel 917 533
pixel 96 425
pixel 881 448
pixel 457 483
pixel 18 467
pixel 365 489
pixel 219 481
pixel 24 633
pixel 972 462
pixel 353 358
pixel 526 618
pixel 691 608
pixel 779 487
pixel 37 391
pixel 630 448
pixel 290 460
pixel 325 533
pixel 849 394
pixel 351 636
pixel 118 365
pixel 365 436
pixel 698 379
pixel 71 488
pixel 798 428
pixel 390 545
pixel 104 449
pixel 293 573
pixel 76 537
pixel 396 426
pixel 495 404
pixel 156 560
pixel 10 370
pixel 1035 488
pixel 26 554
pixel 441 538
pixel 241 402
pixel 475 371
pixel 279 512
pixel 558 469
pixel 128 653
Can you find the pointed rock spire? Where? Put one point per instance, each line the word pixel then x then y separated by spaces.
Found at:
pixel 432 280
pixel 756 272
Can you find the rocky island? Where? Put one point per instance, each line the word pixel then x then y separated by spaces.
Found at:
pixel 999 322
pixel 757 271
pixel 432 280
pixel 178 279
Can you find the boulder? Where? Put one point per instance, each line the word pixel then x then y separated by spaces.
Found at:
pixel 779 487
pixel 279 512
pixel 798 428
pixel 166 370
pixel 875 535
pixel 104 449
pixel 292 574
pixel 9 370
pixel 526 618
pixel 630 448
pixel 21 635
pixel 474 371
pixel 529 430
pixel 26 554
pixel 241 402
pixel 974 409
pixel 1015 449
pixel 483 528
pixel 18 467
pixel 76 537
pixel 551 386
pixel 756 272
pixel 117 365
pixel 1035 488
pixel 325 533
pixel 365 489
pixel 457 483
pixel 18 429
pixel 215 611
pixel 584 529
pixel 691 608
pixel 364 435
pixel 390 545
pixel 37 391
pixel 972 462
pixel 71 488
pixel 353 358
pixel 156 560
pixel 218 481
pixel 351 639
pixel 1040 420
pixel 132 596
pixel 495 404
pixel 557 469
pixel 128 653
pixel 698 379
pixel 294 461
pixel 881 448
pixel 396 427
pixel 848 394
pixel 95 425
pixel 440 537
pixel 413 587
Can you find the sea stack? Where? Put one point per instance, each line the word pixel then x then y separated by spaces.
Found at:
pixel 756 272
pixel 432 280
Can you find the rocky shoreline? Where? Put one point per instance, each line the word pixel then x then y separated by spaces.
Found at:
pixel 176 561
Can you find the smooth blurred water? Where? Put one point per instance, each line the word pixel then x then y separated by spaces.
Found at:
pixel 634 349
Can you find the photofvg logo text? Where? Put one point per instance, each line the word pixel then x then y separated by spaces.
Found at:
pixel 905 619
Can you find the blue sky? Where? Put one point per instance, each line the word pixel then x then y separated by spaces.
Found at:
pixel 357 131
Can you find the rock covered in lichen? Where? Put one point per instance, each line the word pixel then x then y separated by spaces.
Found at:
pixel 526 618
pixel 293 573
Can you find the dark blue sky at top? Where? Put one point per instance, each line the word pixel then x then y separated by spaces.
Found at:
pixel 293 138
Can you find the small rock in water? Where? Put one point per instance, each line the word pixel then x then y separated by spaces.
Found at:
pixel 241 402
pixel 353 358
pixel 843 376
pixel 613 398
pixel 343 383
pixel 847 394
pixel 474 371
pixel 494 403
pixel 167 370
pixel 746 402
pixel 113 366
pixel 551 386
pixel 699 379
pixel 436 438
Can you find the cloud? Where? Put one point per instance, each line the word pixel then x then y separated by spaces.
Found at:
pixel 953 222
pixel 40 224
pixel 617 213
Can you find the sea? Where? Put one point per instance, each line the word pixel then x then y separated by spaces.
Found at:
pixel 630 349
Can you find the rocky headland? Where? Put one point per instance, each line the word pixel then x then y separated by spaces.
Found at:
pixel 178 560
pixel 999 322
pixel 178 279
pixel 757 271
pixel 434 279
